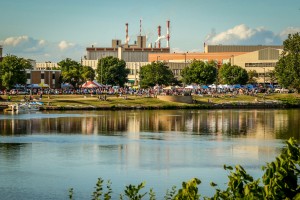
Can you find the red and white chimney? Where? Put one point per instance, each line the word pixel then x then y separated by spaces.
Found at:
pixel 159 34
pixel 168 34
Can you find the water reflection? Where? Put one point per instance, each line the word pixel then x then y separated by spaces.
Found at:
pixel 58 150
pixel 251 123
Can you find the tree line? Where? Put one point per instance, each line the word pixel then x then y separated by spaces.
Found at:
pixel 113 71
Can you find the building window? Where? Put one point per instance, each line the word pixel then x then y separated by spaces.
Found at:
pixel 42 76
pixel 260 64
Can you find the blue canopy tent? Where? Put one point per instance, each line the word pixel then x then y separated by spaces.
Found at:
pixel 249 86
pixel 33 86
pixel 237 86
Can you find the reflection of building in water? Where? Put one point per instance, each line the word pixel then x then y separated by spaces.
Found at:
pixel 89 125
pixel 250 123
pixel 133 125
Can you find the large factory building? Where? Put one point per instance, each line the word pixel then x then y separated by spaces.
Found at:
pixel 135 55
pixel 261 58
pixel 262 61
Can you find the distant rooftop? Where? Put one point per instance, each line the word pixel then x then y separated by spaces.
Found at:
pixel 238 48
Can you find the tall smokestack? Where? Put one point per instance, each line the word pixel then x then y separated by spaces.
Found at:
pixel 168 33
pixel 140 27
pixel 159 34
pixel 126 33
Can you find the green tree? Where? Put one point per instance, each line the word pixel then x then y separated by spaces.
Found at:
pixel 87 73
pixel 13 71
pixel 287 70
pixel 112 71
pixel 156 73
pixel 200 72
pixel 232 74
pixel 71 72
pixel 272 76
pixel 253 75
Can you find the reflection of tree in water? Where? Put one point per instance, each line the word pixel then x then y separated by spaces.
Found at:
pixel 288 123
pixel 14 127
pixel 11 152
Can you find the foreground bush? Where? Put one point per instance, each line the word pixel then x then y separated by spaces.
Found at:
pixel 280 181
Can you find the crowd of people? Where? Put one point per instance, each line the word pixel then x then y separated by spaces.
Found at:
pixel 149 92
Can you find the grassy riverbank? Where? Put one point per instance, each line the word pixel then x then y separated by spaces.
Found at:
pixel 137 102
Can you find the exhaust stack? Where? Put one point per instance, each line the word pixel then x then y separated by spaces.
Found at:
pixel 127 38
pixel 159 34
pixel 168 34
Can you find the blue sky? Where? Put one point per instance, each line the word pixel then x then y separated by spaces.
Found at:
pixel 47 30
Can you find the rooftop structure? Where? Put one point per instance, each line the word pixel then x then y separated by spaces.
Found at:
pixel 138 51
pixel 237 48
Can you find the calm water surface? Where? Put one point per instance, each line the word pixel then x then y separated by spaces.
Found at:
pixel 44 154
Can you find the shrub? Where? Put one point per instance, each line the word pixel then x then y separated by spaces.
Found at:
pixel 280 181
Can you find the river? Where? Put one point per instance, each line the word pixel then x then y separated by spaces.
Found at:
pixel 43 154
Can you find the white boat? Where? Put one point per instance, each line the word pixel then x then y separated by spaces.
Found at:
pixel 27 106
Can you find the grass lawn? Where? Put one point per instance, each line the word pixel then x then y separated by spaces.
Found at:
pixel 137 101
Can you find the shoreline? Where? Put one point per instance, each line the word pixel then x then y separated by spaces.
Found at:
pixel 79 102
pixel 193 106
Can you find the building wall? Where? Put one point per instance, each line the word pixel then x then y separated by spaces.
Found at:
pixel 90 63
pixel 141 41
pixel 129 54
pixel 50 77
pixel 188 57
pixel 262 61
pixel 134 68
pixel 237 48
pixel 98 53
pixel 116 43
pixel 45 65
pixel 177 67
pixel 137 56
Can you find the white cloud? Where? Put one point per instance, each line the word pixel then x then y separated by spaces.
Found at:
pixel 13 41
pixel 243 35
pixel 42 42
pixel 22 44
pixel 290 30
pixel 64 45
pixel 40 49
